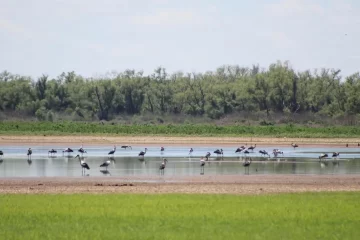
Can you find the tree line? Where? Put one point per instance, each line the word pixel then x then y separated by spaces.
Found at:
pixel 213 94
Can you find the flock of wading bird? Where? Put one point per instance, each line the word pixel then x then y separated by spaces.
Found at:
pixel 243 149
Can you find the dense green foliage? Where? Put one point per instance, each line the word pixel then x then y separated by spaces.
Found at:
pixel 262 94
pixel 285 216
pixel 91 128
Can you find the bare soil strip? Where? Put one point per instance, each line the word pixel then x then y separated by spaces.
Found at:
pixel 167 140
pixel 230 184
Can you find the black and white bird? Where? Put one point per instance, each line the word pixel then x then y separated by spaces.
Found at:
pixel 324 155
pixel 68 150
pixel 1 154
pixel 208 154
pixel 202 165
pixel 29 152
pixel 191 150
pixel 162 166
pixel 142 153
pixel 264 153
pixel 162 149
pixel 52 151
pixel 126 147
pixel 112 151
pixel 335 154
pixel 83 164
pixel 217 151
pixel 247 164
pixel 240 149
pixel 294 145
pixel 252 147
pixel 105 164
pixel 81 150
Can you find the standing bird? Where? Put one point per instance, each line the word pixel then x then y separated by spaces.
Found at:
pixel 202 164
pixel 29 152
pixel 263 153
pixel 252 147
pixel 191 150
pixel 83 165
pixel 105 164
pixel 142 153
pixel 324 155
pixel 1 153
pixel 335 154
pixel 162 166
pixel 68 150
pixel 240 149
pixel 294 145
pixel 52 151
pixel 112 151
pixel 208 154
pixel 162 149
pixel 126 147
pixel 82 151
pixel 217 151
pixel 247 164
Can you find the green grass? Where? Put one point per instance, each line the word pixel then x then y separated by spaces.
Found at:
pixel 91 128
pixel 174 216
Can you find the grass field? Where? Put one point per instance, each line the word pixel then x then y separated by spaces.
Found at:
pixel 77 128
pixel 122 216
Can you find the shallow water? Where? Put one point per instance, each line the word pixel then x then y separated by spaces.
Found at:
pixel 15 163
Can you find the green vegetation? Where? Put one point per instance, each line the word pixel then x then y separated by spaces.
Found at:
pixel 126 216
pixel 229 95
pixel 88 128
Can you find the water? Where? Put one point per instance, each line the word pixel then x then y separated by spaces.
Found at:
pixel 15 163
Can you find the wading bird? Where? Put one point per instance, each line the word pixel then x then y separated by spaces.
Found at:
pixel 81 150
pixel 264 153
pixel 217 151
pixel 202 165
pixel 191 150
pixel 247 164
pixel 29 152
pixel 105 164
pixel 126 147
pixel 142 153
pixel 162 149
pixel 240 149
pixel 208 154
pixel 68 150
pixel 83 164
pixel 112 151
pixel 252 147
pixel 335 154
pixel 324 155
pixel 294 145
pixel 162 166
pixel 52 151
pixel 1 153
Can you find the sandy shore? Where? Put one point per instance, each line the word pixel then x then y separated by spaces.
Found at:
pixel 232 184
pixel 165 140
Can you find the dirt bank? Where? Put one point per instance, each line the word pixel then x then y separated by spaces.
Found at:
pixel 165 140
pixel 231 184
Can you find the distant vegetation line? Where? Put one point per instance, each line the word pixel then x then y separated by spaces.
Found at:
pixel 88 128
pixel 230 94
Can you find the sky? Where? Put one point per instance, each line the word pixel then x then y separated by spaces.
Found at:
pixel 93 37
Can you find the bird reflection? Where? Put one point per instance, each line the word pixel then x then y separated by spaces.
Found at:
pixel 29 162
pixel 112 159
pixel 1 161
pixel 105 172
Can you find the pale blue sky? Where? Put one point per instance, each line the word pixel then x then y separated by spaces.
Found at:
pixel 93 37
